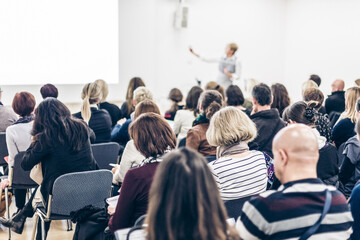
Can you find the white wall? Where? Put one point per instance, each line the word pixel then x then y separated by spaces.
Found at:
pixel 280 41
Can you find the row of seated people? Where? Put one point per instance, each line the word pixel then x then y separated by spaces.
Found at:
pixel 210 102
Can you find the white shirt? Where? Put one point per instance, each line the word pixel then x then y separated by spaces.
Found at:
pixel 183 123
pixel 18 139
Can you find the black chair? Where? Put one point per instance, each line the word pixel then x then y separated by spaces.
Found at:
pixel 105 153
pixel 3 149
pixel 234 207
pixel 182 143
pixel 340 154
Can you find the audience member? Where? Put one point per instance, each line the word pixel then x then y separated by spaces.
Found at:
pixel 120 133
pixel 49 90
pixel 210 102
pixel 238 172
pixel 184 118
pixel 235 97
pixel 308 84
pixel 7 116
pixel 153 138
pixel 267 119
pixel 131 157
pixel 316 79
pixel 113 110
pixel 327 165
pixel 178 209
pixel 176 98
pixel 217 87
pixel 128 106
pixel 336 101
pixel 299 208
pixel 281 97
pixel 322 121
pixel 18 135
pixel 61 144
pixel 350 169
pixel 98 120
pixel 344 128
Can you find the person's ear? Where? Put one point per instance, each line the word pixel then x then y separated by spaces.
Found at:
pixel 254 101
pixel 291 121
pixel 283 157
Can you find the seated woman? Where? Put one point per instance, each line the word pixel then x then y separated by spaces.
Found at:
pixel 98 120
pixel 113 110
pixel 184 203
pixel 238 172
pixel 152 137
pixel 18 135
pixel 327 166
pixel 184 118
pixel 120 133
pixel 176 98
pixel 128 107
pixel 210 102
pixel 349 174
pixel 344 128
pixel 131 157
pixel 61 144
pixel 235 98
pixel 281 97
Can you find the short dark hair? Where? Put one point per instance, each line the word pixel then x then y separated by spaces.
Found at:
pixel 262 94
pixel 152 135
pixel 23 103
pixel 315 78
pixel 234 96
pixel 49 90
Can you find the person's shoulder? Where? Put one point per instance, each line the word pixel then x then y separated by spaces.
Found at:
pixel 77 115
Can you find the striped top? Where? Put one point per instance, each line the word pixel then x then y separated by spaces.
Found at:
pixel 288 212
pixel 240 177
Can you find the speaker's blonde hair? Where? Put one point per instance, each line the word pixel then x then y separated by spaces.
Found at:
pixel 91 94
pixel 104 89
pixel 230 125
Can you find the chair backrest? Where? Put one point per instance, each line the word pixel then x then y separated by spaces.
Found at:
pixel 73 191
pixel 105 153
pixel 20 178
pixel 3 149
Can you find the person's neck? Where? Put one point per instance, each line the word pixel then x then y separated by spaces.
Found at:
pixel 298 174
pixel 229 55
pixel 263 108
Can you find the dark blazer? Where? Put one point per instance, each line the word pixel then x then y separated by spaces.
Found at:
pixel 268 123
pixel 56 160
pixel 335 102
pixel 100 123
pixel 113 110
pixel 342 131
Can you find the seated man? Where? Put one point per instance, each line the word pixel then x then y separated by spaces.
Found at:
pixel 298 204
pixel 336 101
pixel 267 119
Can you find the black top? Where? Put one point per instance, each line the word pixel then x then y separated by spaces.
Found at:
pixel 113 110
pixel 171 115
pixel 120 133
pixel 100 123
pixel 124 110
pixel 342 131
pixel 327 166
pixel 268 123
pixel 335 102
pixel 57 160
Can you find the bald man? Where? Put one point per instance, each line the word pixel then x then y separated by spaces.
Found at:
pixel 290 211
pixel 336 101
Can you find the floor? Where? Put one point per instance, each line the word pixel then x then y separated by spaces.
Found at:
pixel 58 229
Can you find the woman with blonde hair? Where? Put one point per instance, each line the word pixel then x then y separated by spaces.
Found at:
pixel 184 203
pixel 113 110
pixel 239 172
pixel 99 120
pixel 344 128
pixel 128 107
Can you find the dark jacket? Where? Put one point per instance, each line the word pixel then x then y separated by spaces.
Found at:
pixel 100 123
pixel 335 102
pixel 124 110
pixel 342 131
pixel 57 159
pixel 120 133
pixel 327 166
pixel 113 110
pixel 268 123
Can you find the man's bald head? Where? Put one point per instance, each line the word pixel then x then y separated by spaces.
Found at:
pixel 296 153
pixel 338 85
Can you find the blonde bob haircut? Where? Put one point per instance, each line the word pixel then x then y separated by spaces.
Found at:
pixel 230 125
pixel 104 89
pixel 141 94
